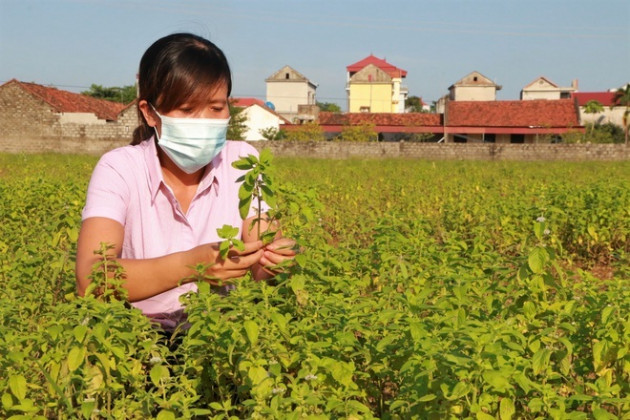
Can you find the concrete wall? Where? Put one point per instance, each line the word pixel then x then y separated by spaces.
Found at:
pixel 341 150
pixel 449 151
pixel 608 115
pixel 474 93
pixel 287 95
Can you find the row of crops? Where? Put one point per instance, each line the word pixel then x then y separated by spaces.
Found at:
pixel 480 290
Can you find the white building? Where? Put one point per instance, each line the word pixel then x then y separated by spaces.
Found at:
pixel 287 89
pixel 259 117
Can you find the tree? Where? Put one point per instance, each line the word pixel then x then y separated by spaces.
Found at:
pixel 238 123
pixel 593 107
pixel 622 97
pixel 272 133
pixel 414 104
pixel 310 131
pixel 329 107
pixel 124 94
pixel 359 133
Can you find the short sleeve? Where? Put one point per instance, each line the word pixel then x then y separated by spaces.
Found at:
pixel 108 191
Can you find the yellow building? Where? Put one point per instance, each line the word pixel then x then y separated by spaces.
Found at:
pixel 374 85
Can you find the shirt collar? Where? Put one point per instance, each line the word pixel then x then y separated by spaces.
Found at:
pixel 156 178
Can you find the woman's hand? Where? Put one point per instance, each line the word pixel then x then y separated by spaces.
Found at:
pixel 237 263
pixel 277 254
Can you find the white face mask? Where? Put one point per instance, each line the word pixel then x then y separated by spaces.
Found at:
pixel 192 143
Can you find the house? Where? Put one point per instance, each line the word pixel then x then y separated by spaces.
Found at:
pixel 259 117
pixel 287 89
pixel 374 85
pixel 543 88
pixel 611 113
pixel 472 87
pixel 30 110
pixel 530 121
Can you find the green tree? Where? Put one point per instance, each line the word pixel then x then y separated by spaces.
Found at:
pixel 414 104
pixel 272 133
pixel 359 133
pixel 310 131
pixel 329 107
pixel 606 133
pixel 124 94
pixel 622 97
pixel 238 123
pixel 593 107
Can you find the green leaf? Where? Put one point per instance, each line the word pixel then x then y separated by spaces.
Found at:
pixel 265 156
pixel 158 372
pixel 540 361
pixel 79 332
pixel 608 310
pixel 238 244
pixel 483 416
pixel 87 408
pixel 601 414
pixel 506 408
pixel 227 232
pixel 76 358
pixel 242 164
pixel 537 259
pixel 251 329
pixel 497 380
pixel 257 374
pixel 17 385
pixel 427 398
pixel 268 195
pixel 224 249
pixel 244 206
pixel 7 401
pixel 245 190
pixel 166 415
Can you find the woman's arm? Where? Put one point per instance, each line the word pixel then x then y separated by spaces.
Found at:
pixel 148 277
pixel 279 250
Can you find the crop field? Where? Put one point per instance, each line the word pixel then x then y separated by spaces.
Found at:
pixel 425 290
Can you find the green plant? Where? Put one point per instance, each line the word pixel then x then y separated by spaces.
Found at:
pixel 359 133
pixel 309 131
pixel 272 133
pixel 426 289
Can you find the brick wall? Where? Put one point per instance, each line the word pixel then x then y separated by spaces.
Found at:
pixel 340 150
pixel 30 125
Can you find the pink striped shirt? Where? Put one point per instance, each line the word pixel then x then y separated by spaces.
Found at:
pixel 127 186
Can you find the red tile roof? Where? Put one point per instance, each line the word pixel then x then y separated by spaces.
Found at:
pixel 534 113
pixel 412 119
pixel 245 102
pixel 390 69
pixel 64 101
pixel 604 98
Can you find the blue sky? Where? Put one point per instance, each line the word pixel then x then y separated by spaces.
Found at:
pixel 74 43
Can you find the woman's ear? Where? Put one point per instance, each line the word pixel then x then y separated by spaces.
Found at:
pixel 148 113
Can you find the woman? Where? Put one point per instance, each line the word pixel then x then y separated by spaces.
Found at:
pixel 160 200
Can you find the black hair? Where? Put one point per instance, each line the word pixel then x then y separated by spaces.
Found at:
pixel 177 69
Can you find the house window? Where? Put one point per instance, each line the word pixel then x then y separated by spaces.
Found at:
pixel 364 109
pixel 286 76
pixel 475 79
pixel 460 138
pixel 565 95
pixel 517 138
pixel 490 138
